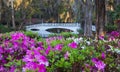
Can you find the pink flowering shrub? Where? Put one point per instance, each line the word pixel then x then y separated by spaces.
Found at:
pixel 35 60
pixel 20 53
pixel 17 47
pixel 99 64
pixel 95 56
pixel 72 45
pixel 115 34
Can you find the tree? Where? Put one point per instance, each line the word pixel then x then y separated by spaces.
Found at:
pixel 117 2
pixel 0 9
pixel 87 7
pixel 7 8
pixel 12 14
pixel 5 12
pixel 100 16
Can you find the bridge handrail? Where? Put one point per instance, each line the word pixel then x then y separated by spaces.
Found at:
pixel 54 24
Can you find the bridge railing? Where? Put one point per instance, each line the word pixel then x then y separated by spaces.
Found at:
pixel 61 24
pixel 54 24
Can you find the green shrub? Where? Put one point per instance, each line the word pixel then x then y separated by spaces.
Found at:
pixel 80 31
pixel 52 35
pixel 31 34
pixel 68 34
pixel 111 27
pixel 64 34
pixel 4 29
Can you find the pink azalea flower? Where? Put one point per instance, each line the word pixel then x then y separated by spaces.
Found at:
pixel 2 69
pixel 40 44
pixel 42 59
pixel 34 66
pixel 28 58
pixel 1 50
pixel 17 35
pixel 48 50
pixel 101 37
pixel 103 56
pixel 59 47
pixel 111 38
pixel 15 44
pixel 48 41
pixel 42 68
pixel 94 60
pixel 66 55
pixel 1 56
pixel 72 45
pixel 12 69
pixel 39 49
pixel 60 37
pixel 25 42
pixel 115 34
pixel 98 64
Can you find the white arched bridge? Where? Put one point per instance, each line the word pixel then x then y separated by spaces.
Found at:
pixel 44 29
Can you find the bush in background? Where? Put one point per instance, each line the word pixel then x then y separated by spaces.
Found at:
pixel 64 34
pixel 4 29
pixel 31 34
pixel 111 27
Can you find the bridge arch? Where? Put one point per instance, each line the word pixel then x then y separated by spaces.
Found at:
pixel 58 30
pixel 44 29
pixel 34 29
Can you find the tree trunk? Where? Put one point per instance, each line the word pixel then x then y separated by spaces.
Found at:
pixel 100 17
pixel 87 7
pixel 13 18
pixel 117 2
pixel 22 21
pixel 0 9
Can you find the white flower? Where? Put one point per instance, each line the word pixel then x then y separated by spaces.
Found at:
pixel 77 40
pixel 88 42
pixel 81 39
pixel 117 51
pixel 73 38
pixel 83 47
pixel 111 48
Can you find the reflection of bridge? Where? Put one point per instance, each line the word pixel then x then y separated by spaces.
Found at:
pixel 44 29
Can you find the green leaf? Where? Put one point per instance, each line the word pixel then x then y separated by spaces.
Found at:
pixel 9 57
pixel 9 64
pixel 67 64
pixel 19 63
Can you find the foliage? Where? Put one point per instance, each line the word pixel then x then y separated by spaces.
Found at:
pixel 68 34
pixel 80 31
pixel 52 35
pixel 111 27
pixel 64 34
pixel 31 34
pixel 21 53
pixel 4 29
pixel 115 15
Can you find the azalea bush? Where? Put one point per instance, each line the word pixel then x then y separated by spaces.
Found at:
pixel 21 53
pixel 81 54
pixel 14 50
